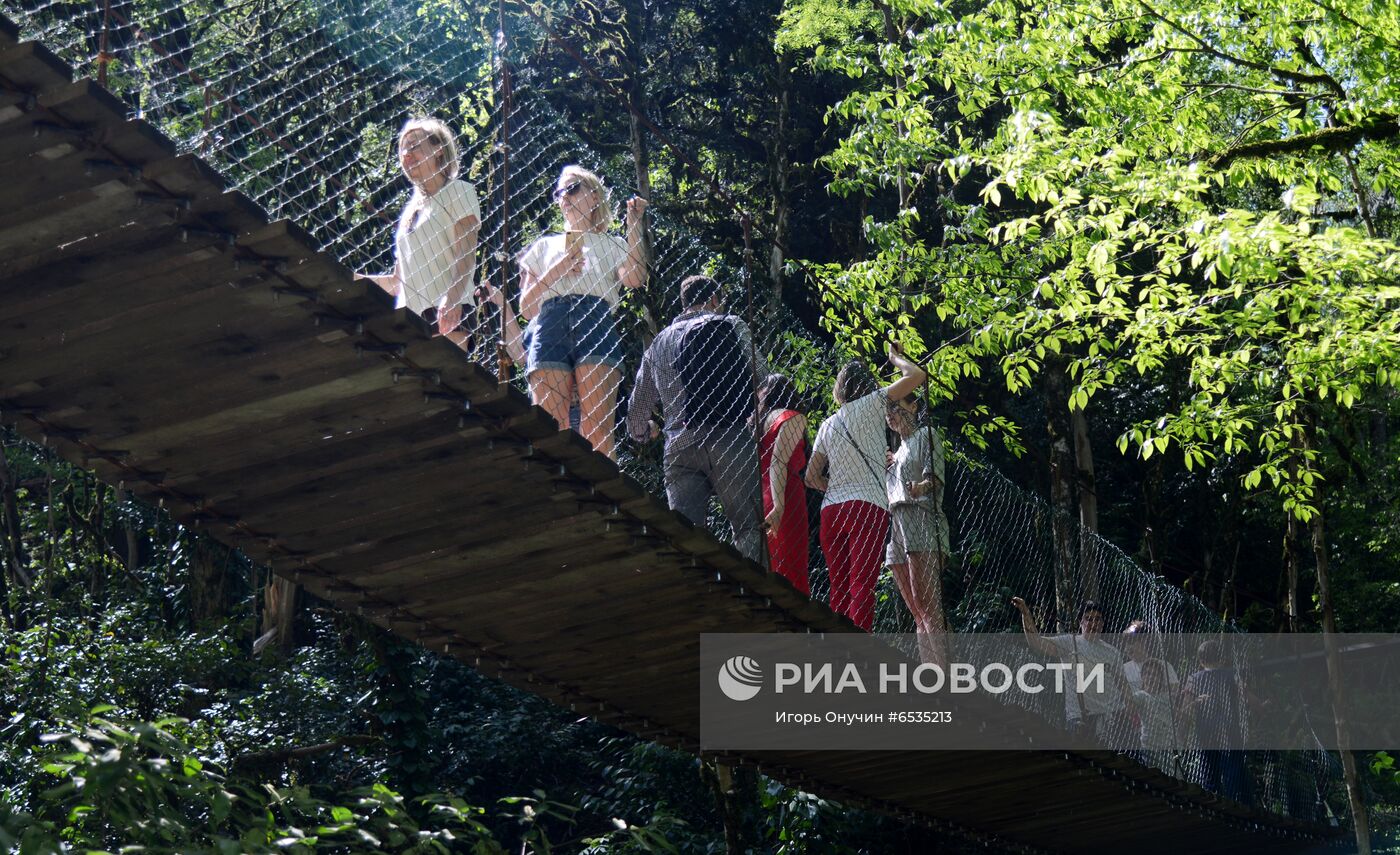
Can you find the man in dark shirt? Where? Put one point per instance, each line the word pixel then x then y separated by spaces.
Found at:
pixel 701 370
pixel 1214 696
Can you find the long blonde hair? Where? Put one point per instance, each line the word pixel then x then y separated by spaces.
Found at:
pixel 441 136
pixel 602 216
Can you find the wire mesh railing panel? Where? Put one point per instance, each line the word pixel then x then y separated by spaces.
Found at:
pixel 501 224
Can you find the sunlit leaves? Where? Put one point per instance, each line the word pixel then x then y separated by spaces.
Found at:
pixel 1155 192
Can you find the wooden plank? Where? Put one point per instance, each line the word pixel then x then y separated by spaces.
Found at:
pixel 598 638
pixel 414 561
pixel 228 362
pixel 722 611
pixel 185 285
pixel 116 238
pixel 397 548
pixel 230 476
pixel 185 304
pixel 333 404
pixel 31 67
pixel 133 142
pixel 306 505
pixel 34 179
pixel 76 217
pixel 210 208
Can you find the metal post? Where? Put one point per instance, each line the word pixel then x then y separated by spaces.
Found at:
pixel 763 557
pixel 103 57
pixel 504 363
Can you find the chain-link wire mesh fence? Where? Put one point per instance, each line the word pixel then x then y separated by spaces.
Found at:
pixel 708 394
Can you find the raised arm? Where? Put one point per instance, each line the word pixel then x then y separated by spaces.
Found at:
pixel 633 272
pixel 1037 642
pixel 911 375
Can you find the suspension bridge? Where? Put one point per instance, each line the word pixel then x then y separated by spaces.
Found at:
pixel 156 328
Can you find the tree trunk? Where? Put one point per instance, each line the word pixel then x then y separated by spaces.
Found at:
pixel 781 174
pixel 1334 669
pixel 17 566
pixel 1334 664
pixel 637 20
pixel 279 616
pixel 1291 559
pixel 735 791
pixel 208 582
pixel 1151 500
pixel 1062 505
pixel 722 783
pixel 1228 600
pixel 133 539
pixel 1088 503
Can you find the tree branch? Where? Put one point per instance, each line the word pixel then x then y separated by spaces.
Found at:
pixel 1363 207
pixel 1305 51
pixel 1208 48
pixel 282 756
pixel 1380 126
pixel 1331 10
pixel 1254 90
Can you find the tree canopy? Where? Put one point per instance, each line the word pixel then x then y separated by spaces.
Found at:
pixel 1142 188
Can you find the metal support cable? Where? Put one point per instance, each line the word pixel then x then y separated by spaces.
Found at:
pixel 504 363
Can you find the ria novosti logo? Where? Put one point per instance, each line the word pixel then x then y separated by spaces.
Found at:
pixel 740 678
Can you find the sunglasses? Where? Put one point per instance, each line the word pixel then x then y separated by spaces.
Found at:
pixel 568 189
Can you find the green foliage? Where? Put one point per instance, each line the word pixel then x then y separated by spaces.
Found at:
pixel 1140 189
pixel 816 25
pixel 347 745
pixel 117 786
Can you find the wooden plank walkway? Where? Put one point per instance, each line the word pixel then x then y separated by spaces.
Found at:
pixel 158 330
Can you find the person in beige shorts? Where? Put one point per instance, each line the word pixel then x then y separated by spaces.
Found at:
pixel 918 549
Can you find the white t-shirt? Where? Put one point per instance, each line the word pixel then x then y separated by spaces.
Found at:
pixel 912 463
pixel 602 256
pixel 1090 652
pixel 853 440
pixel 424 243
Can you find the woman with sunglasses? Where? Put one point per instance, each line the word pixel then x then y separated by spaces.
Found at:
pixel 570 285
pixel 436 240
pixel 848 464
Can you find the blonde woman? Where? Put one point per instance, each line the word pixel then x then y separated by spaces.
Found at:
pixel 436 240
pixel 570 286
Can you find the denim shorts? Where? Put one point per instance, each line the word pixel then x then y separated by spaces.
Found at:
pixel 572 331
